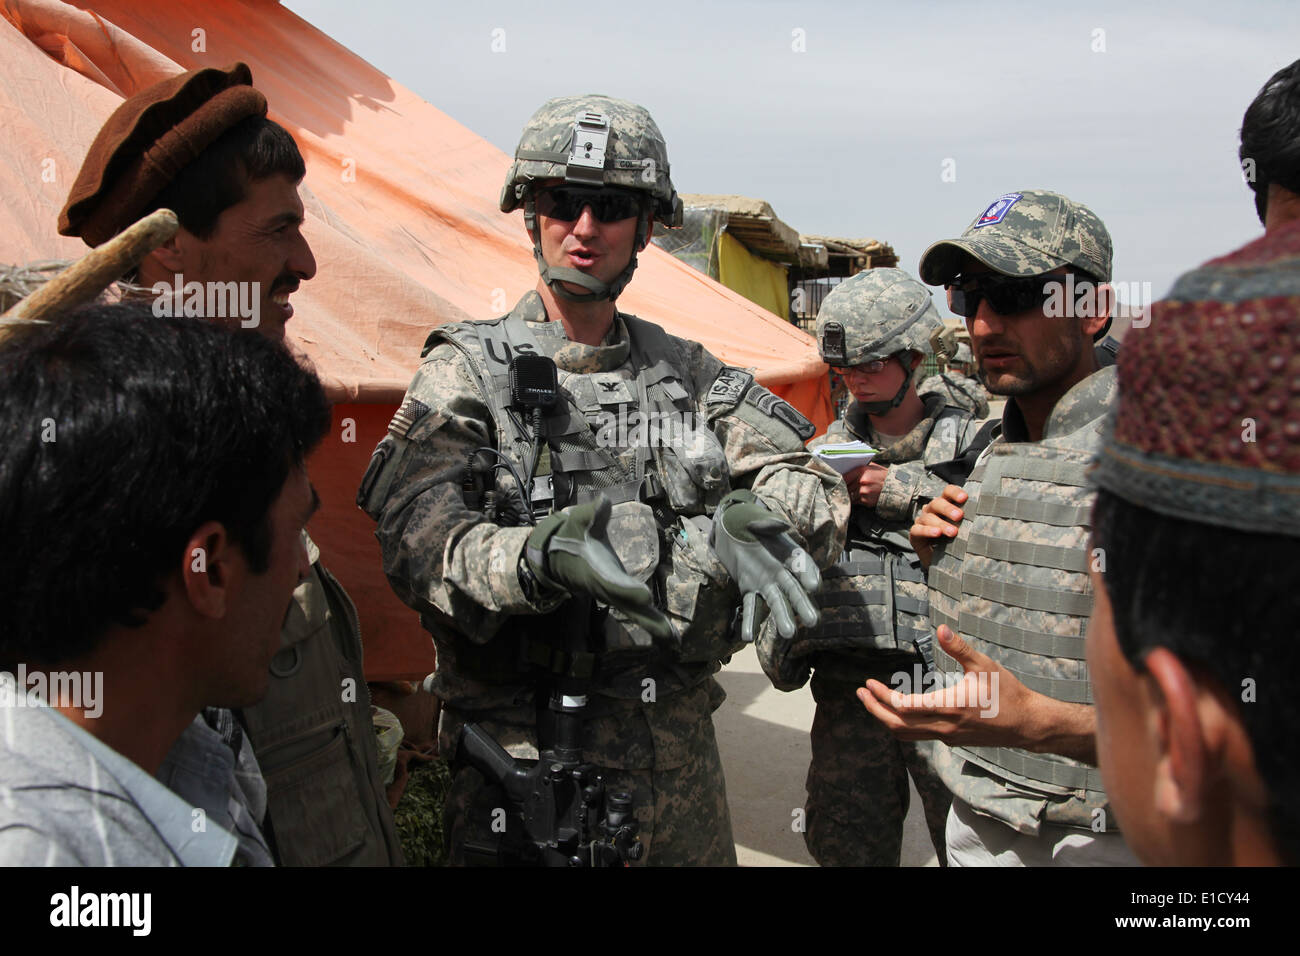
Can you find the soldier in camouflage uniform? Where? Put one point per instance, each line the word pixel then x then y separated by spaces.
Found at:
pixel 875 328
pixel 700 472
pixel 1007 556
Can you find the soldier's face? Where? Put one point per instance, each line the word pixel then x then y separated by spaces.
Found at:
pixel 878 386
pixel 259 239
pixel 600 249
pixel 1025 352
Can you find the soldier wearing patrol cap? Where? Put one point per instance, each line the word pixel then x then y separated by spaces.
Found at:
pixel 875 329
pixel 664 485
pixel 1007 555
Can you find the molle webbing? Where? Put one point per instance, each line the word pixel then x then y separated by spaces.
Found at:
pixel 1003 561
pixel 867 578
pixel 1028 766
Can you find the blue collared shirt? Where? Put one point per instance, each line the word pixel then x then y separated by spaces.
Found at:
pixel 66 798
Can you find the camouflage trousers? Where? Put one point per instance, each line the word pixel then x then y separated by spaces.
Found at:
pixel 857 782
pixel 664 753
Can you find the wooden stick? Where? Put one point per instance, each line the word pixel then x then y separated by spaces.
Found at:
pixel 96 270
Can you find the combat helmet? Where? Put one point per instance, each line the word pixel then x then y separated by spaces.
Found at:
pixel 876 314
pixel 591 140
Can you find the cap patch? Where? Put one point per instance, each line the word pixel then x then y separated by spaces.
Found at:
pixel 998 209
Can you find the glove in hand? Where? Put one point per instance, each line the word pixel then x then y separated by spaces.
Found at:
pixel 570 550
pixel 755 547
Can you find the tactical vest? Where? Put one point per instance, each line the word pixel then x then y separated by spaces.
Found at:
pixel 960 390
pixel 1014 584
pixel 678 480
pixel 874 599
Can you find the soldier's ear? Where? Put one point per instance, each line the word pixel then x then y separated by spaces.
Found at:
pixel 1103 296
pixel 649 234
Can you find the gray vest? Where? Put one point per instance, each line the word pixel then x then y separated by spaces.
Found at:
pixel 691 477
pixel 1014 584
pixel 681 482
pixel 874 599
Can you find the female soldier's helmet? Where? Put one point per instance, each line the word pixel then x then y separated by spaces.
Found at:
pixel 874 315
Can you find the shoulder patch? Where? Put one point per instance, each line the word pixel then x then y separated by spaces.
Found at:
pixel 412 411
pixel 729 386
pixel 781 410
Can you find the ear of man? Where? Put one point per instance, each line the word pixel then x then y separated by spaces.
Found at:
pixel 169 255
pixel 1204 750
pixel 209 570
pixel 1103 306
pixel 1178 737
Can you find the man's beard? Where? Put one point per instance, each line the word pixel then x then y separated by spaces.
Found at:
pixel 1011 385
pixel 1056 365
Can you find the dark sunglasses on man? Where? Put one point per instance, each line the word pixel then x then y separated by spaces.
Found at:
pixel 608 203
pixel 1010 295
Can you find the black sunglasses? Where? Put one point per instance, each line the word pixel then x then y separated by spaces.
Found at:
pixel 608 203
pixel 1006 295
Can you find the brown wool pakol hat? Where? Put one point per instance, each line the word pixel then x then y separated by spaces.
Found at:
pixel 148 141
pixel 1207 427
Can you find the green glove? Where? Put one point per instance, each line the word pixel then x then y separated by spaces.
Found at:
pixel 569 550
pixel 753 544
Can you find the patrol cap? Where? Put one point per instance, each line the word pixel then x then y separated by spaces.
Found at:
pixel 1025 233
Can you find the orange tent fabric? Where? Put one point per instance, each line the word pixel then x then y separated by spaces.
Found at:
pixel 401 214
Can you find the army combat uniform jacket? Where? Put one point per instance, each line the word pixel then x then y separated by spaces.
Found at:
pixel 663 429
pixel 1014 584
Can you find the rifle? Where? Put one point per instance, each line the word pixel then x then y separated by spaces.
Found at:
pixel 560 812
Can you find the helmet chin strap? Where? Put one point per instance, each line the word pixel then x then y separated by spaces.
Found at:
pixel 881 408
pixel 556 276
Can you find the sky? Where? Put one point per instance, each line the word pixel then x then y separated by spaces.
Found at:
pixel 899 121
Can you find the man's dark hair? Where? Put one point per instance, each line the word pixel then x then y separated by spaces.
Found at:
pixel 1223 601
pixel 123 433
pixel 1270 135
pixel 254 149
